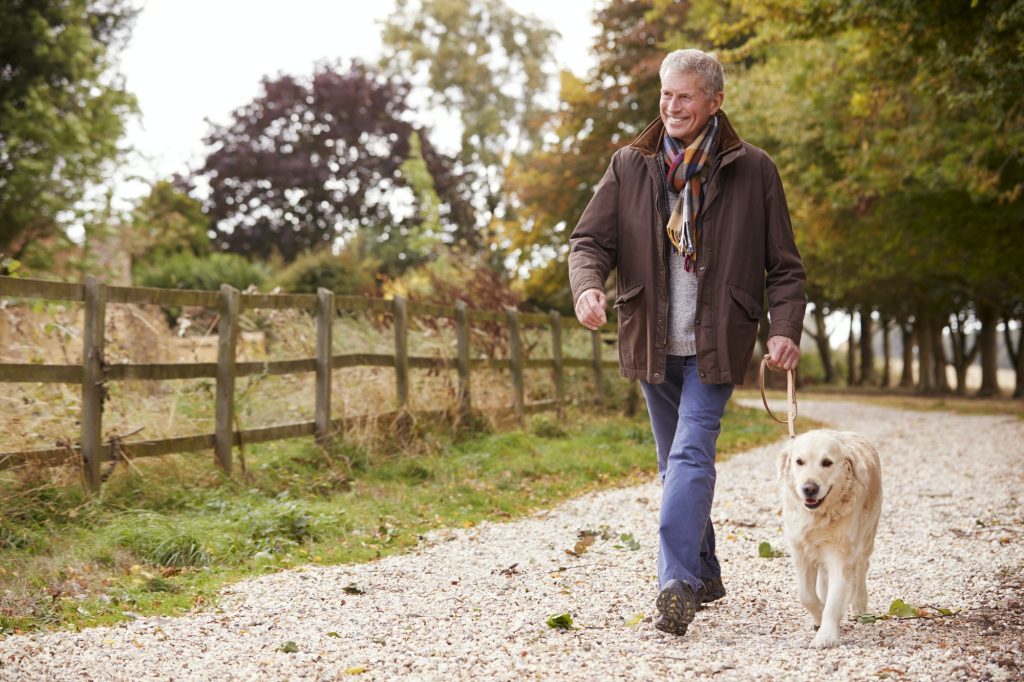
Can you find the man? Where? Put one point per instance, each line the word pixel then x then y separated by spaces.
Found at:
pixel 694 220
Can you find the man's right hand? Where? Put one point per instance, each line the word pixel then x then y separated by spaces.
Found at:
pixel 590 308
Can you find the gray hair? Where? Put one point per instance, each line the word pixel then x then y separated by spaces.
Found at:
pixel 704 64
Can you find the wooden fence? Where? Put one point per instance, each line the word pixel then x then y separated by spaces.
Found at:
pixel 94 373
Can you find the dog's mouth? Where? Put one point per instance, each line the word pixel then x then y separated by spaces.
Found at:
pixel 814 503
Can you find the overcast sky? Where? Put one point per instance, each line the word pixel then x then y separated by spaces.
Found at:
pixel 192 60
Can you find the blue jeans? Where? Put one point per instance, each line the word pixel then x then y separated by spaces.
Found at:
pixel 686 417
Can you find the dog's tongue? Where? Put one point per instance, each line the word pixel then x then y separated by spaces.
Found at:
pixel 810 500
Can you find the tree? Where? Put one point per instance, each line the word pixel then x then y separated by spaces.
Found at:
pixel 62 109
pixel 485 64
pixel 169 221
pixel 308 163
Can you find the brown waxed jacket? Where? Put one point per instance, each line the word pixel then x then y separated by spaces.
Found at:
pixel 747 248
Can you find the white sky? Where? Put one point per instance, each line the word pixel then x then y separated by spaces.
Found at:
pixel 193 60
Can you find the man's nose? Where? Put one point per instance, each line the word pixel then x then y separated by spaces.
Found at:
pixel 810 490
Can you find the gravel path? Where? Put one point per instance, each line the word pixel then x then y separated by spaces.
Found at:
pixel 472 604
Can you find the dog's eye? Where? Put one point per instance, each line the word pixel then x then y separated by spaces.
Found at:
pixel 826 462
pixel 799 462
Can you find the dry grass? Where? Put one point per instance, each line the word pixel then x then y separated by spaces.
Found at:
pixel 42 415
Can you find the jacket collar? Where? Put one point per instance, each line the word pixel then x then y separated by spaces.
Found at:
pixel 648 142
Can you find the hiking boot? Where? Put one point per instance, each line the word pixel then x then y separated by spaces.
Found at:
pixel 677 605
pixel 711 590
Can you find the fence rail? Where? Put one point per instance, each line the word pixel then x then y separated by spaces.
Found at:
pixel 324 305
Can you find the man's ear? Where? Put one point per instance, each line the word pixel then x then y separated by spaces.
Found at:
pixel 716 102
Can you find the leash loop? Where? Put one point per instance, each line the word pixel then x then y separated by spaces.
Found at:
pixel 791 411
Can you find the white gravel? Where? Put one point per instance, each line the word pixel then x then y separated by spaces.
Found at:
pixel 951 536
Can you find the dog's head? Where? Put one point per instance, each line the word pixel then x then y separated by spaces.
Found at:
pixel 813 466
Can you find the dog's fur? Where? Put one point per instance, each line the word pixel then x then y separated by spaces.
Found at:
pixel 831 532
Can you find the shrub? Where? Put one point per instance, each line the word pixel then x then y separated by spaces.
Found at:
pixel 186 270
pixel 344 273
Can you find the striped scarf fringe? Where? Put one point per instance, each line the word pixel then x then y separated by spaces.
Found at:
pixel 684 167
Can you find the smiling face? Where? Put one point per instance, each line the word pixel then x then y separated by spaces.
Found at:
pixel 685 107
pixel 816 465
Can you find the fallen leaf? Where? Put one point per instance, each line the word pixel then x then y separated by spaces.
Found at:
pixel 289 647
pixel 352 588
pixel 355 670
pixel 766 551
pixel 901 609
pixel 561 622
pixel 635 620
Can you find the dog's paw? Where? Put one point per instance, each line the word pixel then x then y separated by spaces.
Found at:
pixel 824 640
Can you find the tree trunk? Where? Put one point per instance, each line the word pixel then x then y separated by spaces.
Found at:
pixel 907 375
pixel 851 355
pixel 1016 353
pixel 887 352
pixel 958 340
pixel 867 349
pixel 987 341
pixel 939 353
pixel 925 359
pixel 824 349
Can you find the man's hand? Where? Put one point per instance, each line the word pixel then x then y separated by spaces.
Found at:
pixel 783 353
pixel 590 308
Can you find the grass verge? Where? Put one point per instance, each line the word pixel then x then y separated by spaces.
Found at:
pixel 164 535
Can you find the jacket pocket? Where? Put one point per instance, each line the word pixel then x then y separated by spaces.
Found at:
pixel 750 305
pixel 629 299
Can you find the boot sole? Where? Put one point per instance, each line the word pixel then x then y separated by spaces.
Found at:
pixel 677 612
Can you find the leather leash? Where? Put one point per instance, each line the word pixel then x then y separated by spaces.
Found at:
pixel 790 394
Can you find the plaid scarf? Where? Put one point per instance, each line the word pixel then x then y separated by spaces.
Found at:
pixel 684 167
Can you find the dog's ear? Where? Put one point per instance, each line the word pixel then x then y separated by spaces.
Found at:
pixel 783 461
pixel 853 462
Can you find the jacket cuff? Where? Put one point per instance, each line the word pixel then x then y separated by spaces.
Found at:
pixel 786 328
pixel 586 285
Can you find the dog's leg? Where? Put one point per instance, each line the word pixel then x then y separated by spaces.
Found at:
pixel 840 579
pixel 806 576
pixel 821 587
pixel 860 588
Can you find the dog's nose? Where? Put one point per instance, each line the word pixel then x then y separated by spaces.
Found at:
pixel 810 490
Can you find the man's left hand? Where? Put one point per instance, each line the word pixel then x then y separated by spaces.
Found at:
pixel 783 354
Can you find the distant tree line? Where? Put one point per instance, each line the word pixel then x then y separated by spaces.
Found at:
pixel 898 127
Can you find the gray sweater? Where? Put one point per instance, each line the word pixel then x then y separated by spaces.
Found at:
pixel 682 297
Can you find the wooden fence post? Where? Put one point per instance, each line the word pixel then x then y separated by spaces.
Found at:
pixel 401 353
pixel 515 351
pixel 93 389
pixel 556 354
pixel 324 339
pixel 595 338
pixel 227 337
pixel 462 362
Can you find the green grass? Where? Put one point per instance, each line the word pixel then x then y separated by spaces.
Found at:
pixel 165 535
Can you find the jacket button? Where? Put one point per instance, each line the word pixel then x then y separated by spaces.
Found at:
pixel 696 321
pixel 703 268
pixel 702 375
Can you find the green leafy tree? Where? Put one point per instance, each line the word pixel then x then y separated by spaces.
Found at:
pixel 168 221
pixel 485 64
pixel 62 109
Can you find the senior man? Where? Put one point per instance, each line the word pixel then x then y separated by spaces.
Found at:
pixel 695 221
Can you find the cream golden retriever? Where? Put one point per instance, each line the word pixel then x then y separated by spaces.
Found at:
pixel 831 485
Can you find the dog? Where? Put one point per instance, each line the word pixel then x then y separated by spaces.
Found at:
pixel 831 487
